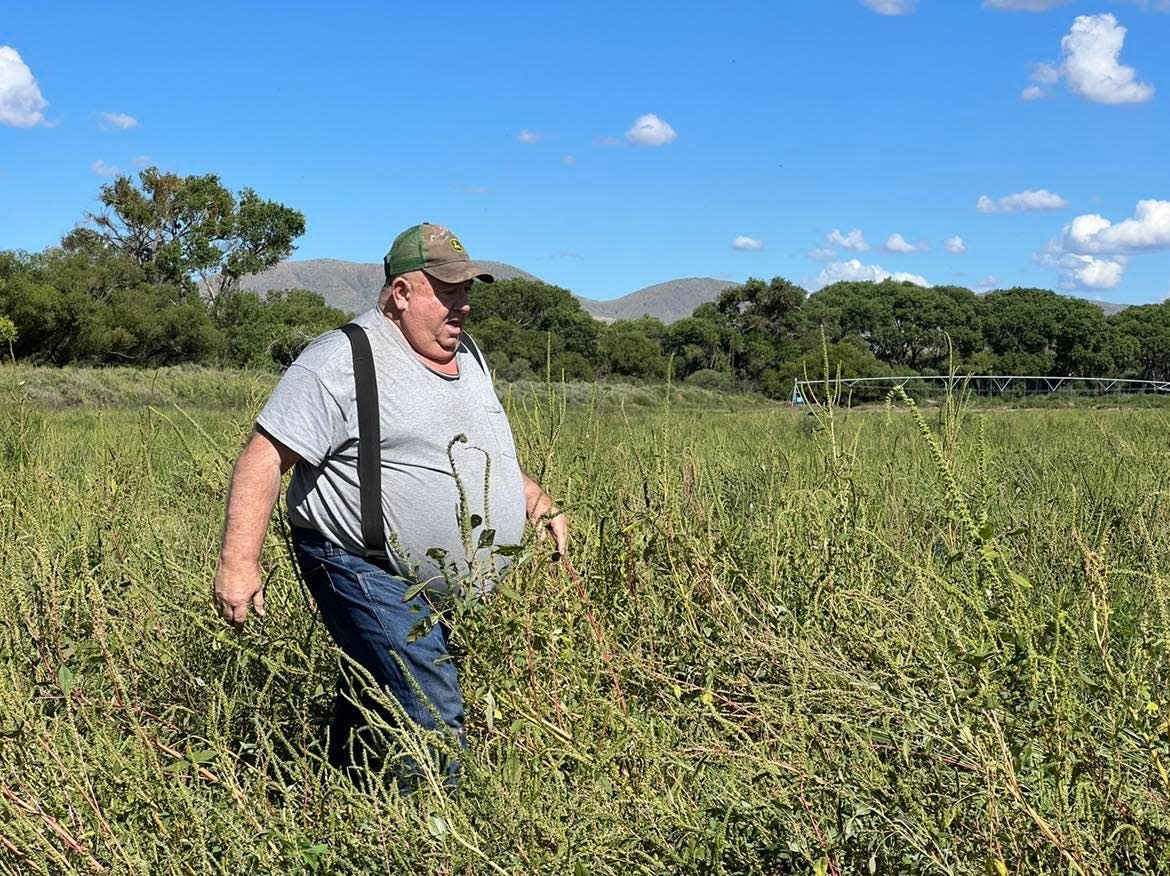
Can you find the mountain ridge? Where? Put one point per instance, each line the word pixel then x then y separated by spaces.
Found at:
pixel 349 286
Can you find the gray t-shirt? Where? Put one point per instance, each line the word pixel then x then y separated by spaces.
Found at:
pixel 426 471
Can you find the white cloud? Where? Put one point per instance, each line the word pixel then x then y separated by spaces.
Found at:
pixel 141 161
pixel 854 240
pixel 527 136
pixel 1045 74
pixel 1091 51
pixel 955 245
pixel 1149 229
pixel 1091 68
pixel 854 270
pixel 1042 77
pixel 1093 273
pixel 897 243
pixel 569 160
pixel 987 284
pixel 119 121
pixel 890 7
pixel 649 130
pixel 822 254
pixel 1093 252
pixel 21 102
pixel 1022 202
pixel 1024 5
pixel 1080 271
pixel 747 243
pixel 607 141
pixel 102 169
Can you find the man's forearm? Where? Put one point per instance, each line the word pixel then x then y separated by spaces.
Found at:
pixel 252 495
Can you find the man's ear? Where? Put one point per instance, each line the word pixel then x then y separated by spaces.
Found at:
pixel 400 290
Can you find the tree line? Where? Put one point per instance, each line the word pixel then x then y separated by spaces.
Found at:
pixel 765 334
pixel 155 277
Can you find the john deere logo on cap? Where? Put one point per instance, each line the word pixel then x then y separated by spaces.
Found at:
pixel 456 245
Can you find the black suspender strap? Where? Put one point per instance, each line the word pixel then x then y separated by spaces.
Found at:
pixel 369 443
pixel 473 349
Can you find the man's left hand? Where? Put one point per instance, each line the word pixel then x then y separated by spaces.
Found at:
pixel 546 517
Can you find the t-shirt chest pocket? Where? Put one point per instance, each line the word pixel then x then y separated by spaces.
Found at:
pixel 498 421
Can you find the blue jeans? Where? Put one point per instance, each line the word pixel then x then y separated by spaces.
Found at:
pixel 366 612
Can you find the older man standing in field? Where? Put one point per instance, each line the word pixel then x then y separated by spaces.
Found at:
pixel 449 488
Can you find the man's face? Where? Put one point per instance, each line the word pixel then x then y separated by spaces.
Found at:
pixel 433 318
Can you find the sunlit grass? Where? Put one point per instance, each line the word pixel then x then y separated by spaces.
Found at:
pixel 819 642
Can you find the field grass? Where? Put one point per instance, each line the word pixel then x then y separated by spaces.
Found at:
pixel 826 642
pixel 217 388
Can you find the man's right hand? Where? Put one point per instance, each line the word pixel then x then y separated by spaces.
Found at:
pixel 252 495
pixel 235 589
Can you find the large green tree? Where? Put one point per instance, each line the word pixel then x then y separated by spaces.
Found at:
pixel 274 329
pixel 531 305
pixel 527 326
pixel 1035 331
pixel 696 344
pixel 633 348
pixel 98 307
pixel 177 228
pixel 760 324
pixel 1147 329
pixel 903 324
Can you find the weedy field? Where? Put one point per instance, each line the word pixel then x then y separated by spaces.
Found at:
pixel 897 640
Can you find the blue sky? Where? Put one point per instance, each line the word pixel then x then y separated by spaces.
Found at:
pixel 772 125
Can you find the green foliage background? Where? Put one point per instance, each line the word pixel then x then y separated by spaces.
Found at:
pixel 839 642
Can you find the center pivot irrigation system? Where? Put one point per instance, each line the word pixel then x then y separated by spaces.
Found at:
pixel 989 384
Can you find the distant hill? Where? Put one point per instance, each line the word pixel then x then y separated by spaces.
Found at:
pixel 349 286
pixel 669 301
pixel 1109 307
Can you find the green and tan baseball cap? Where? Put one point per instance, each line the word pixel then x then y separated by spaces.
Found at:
pixel 434 249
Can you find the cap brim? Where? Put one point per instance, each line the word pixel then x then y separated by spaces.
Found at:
pixel 458 272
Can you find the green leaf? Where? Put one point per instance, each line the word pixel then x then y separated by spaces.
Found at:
pixel 421 628
pixel 489 702
pixel 414 590
pixel 1020 581
pixel 579 869
pixel 202 756
pixel 313 854
pixel 476 520
pixel 65 679
pixel 486 537
pixel 437 825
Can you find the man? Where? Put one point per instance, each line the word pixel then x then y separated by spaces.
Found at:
pixel 451 487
